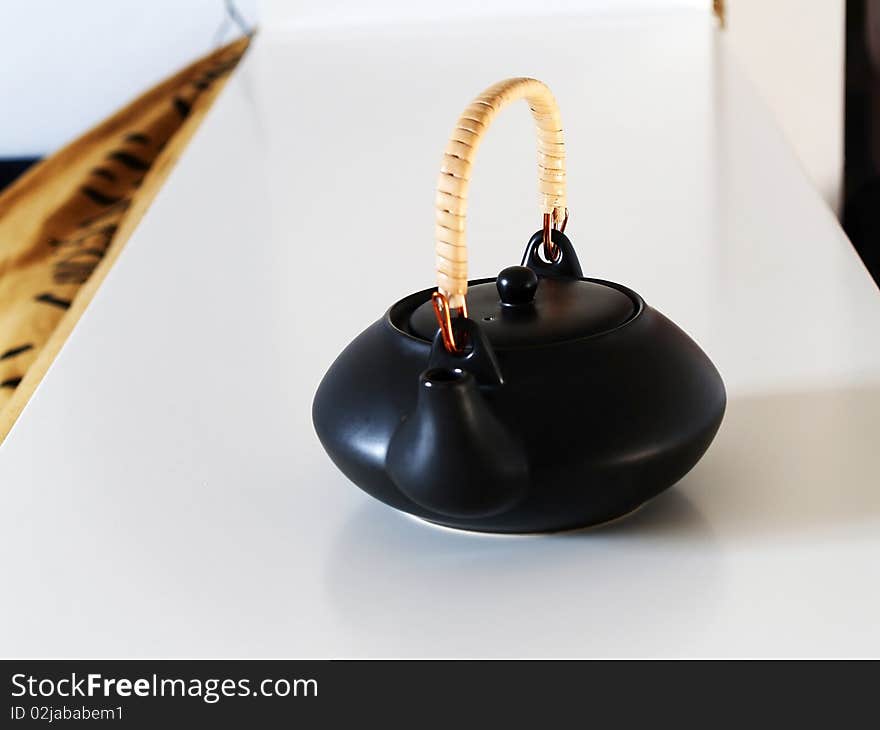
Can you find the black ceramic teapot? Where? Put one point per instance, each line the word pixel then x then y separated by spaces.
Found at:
pixel 538 400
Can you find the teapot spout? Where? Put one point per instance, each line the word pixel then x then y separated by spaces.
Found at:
pixel 452 455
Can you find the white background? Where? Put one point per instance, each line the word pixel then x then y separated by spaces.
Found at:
pixel 793 51
pixel 67 65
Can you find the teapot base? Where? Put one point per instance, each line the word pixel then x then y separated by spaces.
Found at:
pixel 585 527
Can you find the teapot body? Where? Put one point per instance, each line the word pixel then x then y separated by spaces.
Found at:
pixel 598 425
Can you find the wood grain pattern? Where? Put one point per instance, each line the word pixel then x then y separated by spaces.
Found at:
pixel 64 222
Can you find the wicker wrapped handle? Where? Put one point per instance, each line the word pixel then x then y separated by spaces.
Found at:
pixel 455 173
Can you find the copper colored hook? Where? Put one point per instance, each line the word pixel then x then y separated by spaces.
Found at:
pixel 443 313
pixel 551 220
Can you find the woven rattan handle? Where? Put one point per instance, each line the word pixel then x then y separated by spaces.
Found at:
pixel 455 173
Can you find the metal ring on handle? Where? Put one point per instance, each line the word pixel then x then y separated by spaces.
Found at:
pixel 454 180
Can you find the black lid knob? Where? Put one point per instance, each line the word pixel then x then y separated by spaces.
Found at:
pixel 517 285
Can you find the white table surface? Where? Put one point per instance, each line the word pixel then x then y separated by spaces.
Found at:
pixel 163 494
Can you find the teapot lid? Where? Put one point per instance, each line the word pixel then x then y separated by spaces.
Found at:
pixel 519 309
